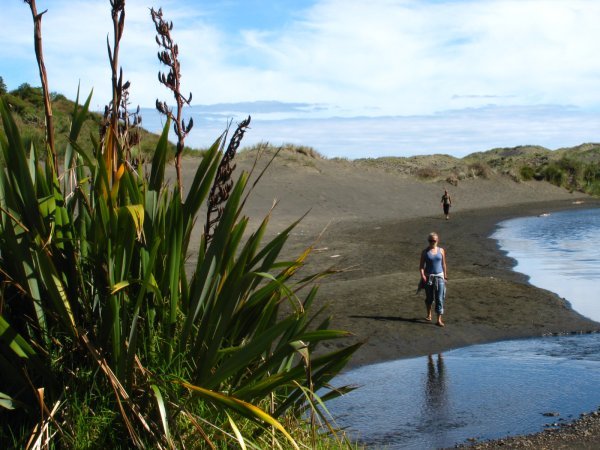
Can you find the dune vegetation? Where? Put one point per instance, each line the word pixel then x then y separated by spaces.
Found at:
pixel 574 168
pixel 106 340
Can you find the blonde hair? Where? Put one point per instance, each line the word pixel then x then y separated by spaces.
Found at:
pixel 433 234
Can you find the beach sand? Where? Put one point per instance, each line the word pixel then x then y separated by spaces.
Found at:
pixel 486 300
pixel 373 223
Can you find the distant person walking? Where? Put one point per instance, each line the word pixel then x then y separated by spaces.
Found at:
pixel 446 203
pixel 434 276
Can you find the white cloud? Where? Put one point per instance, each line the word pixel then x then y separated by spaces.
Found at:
pixel 391 56
pixel 455 132
pixel 411 57
pixel 382 57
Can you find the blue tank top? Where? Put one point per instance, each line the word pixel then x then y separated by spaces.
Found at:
pixel 433 263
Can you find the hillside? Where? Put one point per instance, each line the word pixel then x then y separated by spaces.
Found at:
pixel 27 106
pixel 576 168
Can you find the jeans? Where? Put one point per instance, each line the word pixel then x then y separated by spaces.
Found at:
pixel 435 291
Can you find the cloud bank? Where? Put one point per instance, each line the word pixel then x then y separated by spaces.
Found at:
pixel 454 132
pixel 412 66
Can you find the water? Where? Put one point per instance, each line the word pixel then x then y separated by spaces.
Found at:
pixel 483 392
pixel 493 390
pixel 559 252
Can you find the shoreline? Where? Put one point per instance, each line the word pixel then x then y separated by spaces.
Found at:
pixel 487 300
pixel 406 336
pixel 372 226
pixel 580 433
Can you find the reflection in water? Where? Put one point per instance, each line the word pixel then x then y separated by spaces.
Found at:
pixel 435 399
pixel 483 392
pixel 435 387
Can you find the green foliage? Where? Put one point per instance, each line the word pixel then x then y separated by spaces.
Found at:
pixel 17 104
pixel 571 167
pixel 3 88
pixel 573 174
pixel 527 173
pixel 554 174
pixel 30 94
pixel 591 178
pixel 26 105
pixel 98 311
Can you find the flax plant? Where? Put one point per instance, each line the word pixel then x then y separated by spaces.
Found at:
pixel 101 324
pixel 169 56
pixel 37 35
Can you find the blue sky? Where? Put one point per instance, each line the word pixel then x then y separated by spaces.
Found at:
pixel 349 77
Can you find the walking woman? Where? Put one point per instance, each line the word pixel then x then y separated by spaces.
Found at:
pixel 446 203
pixel 434 276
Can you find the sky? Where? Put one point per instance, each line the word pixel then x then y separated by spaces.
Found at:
pixel 350 78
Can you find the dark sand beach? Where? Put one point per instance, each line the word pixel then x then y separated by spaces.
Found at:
pixel 374 223
pixel 486 300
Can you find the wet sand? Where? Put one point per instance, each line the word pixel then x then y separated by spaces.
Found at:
pixel 486 300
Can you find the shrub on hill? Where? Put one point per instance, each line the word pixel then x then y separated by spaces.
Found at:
pixel 591 178
pixel 428 173
pixel 480 170
pixel 554 174
pixel 527 173
pixel 571 168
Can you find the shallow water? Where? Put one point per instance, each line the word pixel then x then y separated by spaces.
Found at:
pixel 493 390
pixel 559 252
pixel 483 392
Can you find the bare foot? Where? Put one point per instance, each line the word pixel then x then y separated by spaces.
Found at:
pixel 440 323
pixel 428 318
